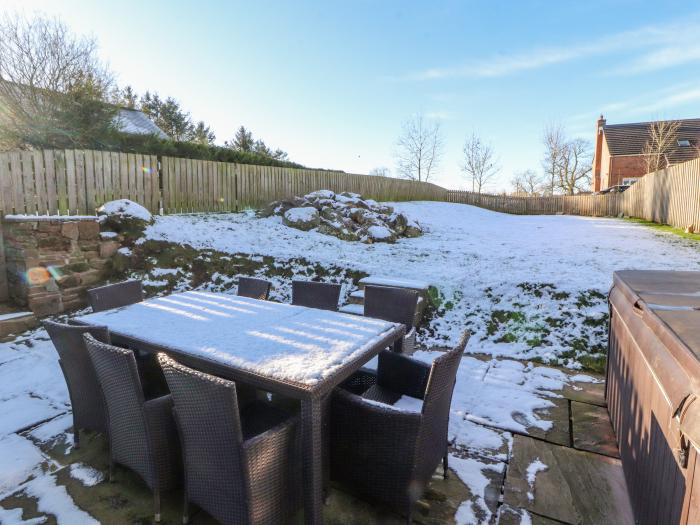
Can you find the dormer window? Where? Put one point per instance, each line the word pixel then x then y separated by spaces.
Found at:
pixel 684 143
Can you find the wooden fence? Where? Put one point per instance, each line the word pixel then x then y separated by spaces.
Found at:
pixel 76 182
pixel 196 185
pixel 670 196
pixel 589 205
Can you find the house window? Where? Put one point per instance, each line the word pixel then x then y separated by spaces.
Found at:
pixel 629 181
pixel 684 143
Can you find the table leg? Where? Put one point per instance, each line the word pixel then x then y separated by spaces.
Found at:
pixel 398 345
pixel 312 459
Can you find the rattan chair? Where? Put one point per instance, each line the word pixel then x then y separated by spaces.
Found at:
pixel 83 388
pixel 241 466
pixel 386 454
pixel 142 434
pixel 323 296
pixel 254 288
pixel 115 295
pixel 397 305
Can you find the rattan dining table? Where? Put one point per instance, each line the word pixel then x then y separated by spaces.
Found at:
pixel 294 351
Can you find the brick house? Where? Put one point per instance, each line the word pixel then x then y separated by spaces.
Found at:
pixel 618 157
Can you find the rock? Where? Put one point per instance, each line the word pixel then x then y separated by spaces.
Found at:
pixel 344 215
pixel 89 231
pixel 398 222
pixel 331 214
pixel 413 230
pixel 69 229
pixel 360 215
pixel 339 230
pixel 321 194
pixel 380 234
pixel 109 248
pixel 124 216
pixel 304 219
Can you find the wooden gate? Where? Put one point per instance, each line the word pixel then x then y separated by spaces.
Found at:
pixel 3 269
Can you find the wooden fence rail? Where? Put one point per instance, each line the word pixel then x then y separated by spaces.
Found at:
pixel 76 182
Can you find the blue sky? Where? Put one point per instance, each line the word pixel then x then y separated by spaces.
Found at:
pixel 332 82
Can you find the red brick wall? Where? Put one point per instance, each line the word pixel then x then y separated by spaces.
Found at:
pixel 624 167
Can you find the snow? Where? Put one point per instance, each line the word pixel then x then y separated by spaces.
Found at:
pixel 354 309
pixel 301 214
pixel 14 315
pixel 69 218
pixel 399 283
pixel 54 499
pixel 471 472
pixel 108 235
pixel 282 341
pixel 18 459
pixel 475 257
pixel 160 272
pixel 532 470
pixel 379 232
pixel 409 404
pixel 87 475
pixel 125 251
pixel 124 208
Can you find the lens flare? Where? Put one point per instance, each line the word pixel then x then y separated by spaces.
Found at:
pixel 145 170
pixel 37 276
pixel 55 272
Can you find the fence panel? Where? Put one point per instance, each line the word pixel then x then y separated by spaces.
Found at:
pixel 77 181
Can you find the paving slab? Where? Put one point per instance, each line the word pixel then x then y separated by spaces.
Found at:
pixel 559 432
pixel 586 392
pixel 592 430
pixel 567 485
pixel 508 515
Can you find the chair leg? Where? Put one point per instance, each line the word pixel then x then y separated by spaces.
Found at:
pixel 186 511
pixel 111 470
pixel 156 505
pixel 445 471
pixel 76 437
pixel 409 518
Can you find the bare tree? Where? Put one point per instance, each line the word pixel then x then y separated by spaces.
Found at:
pixel 527 182
pixel 575 163
pixel 419 149
pixel 53 88
pixel 554 140
pixel 380 171
pixel 479 162
pixel 566 162
pixel 663 138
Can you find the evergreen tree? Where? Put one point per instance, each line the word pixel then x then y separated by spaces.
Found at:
pixel 128 98
pixel 202 134
pixel 242 140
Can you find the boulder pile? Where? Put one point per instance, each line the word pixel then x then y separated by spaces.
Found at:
pixel 345 215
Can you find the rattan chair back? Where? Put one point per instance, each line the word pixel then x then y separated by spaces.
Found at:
pixel 311 294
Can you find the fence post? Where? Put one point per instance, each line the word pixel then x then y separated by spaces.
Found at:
pixel 3 268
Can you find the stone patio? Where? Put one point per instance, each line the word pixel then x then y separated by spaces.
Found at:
pixel 581 482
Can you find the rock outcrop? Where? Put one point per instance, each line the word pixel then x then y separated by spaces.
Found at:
pixel 345 215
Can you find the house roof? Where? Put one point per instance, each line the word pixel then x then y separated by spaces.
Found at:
pixel 629 139
pixel 136 122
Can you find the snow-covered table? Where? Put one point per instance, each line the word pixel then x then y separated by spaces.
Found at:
pixel 292 350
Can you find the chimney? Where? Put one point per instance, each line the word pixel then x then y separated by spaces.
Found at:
pixel 598 153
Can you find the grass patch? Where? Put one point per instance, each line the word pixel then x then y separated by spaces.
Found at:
pixel 665 228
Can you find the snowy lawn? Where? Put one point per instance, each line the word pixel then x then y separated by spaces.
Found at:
pixel 528 287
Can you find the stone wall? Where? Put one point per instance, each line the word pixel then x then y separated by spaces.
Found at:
pixel 52 262
pixel 3 269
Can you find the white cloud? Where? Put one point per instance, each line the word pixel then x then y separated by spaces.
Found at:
pixel 651 105
pixel 657 46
